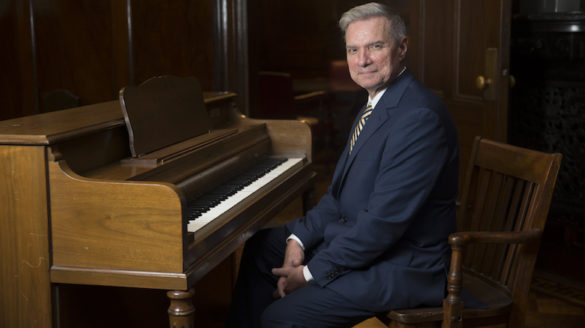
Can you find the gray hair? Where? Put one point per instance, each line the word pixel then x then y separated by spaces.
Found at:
pixel 374 9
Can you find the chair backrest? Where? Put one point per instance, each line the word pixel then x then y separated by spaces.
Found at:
pixel 275 95
pixel 506 188
pixel 58 99
pixel 339 77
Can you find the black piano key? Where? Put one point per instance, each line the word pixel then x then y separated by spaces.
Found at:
pixel 202 204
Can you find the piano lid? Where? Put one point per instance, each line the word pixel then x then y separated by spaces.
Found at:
pixel 163 111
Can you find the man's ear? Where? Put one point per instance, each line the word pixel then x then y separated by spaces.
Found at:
pixel 403 47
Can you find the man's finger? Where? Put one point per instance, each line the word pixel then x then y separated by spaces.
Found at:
pixel 281 272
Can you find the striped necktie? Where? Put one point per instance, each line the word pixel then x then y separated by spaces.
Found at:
pixel 360 126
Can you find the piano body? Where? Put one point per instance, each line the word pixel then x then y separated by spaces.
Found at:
pixel 91 197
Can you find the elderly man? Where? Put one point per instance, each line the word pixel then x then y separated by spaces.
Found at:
pixel 378 239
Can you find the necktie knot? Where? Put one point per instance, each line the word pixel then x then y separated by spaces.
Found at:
pixel 360 126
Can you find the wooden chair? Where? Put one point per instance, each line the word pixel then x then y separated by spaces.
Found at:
pixel 504 205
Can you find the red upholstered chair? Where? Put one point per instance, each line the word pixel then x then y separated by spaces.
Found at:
pixel 277 100
pixel 339 77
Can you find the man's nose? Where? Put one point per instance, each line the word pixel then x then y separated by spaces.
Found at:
pixel 364 57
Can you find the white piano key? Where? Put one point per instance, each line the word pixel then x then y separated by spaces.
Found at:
pixel 240 196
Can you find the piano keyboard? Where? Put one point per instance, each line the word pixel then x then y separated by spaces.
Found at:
pixel 210 207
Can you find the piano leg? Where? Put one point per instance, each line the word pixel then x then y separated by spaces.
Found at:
pixel 181 311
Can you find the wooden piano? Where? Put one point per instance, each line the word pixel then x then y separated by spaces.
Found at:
pixel 111 194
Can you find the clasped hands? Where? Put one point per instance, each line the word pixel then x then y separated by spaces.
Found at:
pixel 290 274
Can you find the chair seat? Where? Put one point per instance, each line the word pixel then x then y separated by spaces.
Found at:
pixel 496 299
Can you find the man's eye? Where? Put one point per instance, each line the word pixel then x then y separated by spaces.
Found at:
pixel 351 50
pixel 376 46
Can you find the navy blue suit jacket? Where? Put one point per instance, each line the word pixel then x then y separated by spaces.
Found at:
pixel 379 236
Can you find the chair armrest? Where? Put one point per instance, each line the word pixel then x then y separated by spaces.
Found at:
pixel 452 304
pixel 466 237
pixel 310 96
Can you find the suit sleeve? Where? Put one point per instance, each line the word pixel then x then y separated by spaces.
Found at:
pixel 411 164
pixel 309 229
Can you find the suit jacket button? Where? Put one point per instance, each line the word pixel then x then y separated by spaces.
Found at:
pixel 343 219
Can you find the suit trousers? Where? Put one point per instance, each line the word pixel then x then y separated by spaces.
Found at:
pixel 253 303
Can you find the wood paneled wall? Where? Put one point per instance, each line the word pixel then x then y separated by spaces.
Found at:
pixel 94 48
pixel 302 36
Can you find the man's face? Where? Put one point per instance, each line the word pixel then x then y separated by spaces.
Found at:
pixel 373 57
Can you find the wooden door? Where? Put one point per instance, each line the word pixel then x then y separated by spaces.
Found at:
pixel 453 43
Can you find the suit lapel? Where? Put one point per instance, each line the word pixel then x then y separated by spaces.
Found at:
pixel 372 125
pixel 339 172
pixel 381 113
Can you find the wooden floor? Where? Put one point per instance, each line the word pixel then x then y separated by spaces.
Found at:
pixel 545 312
